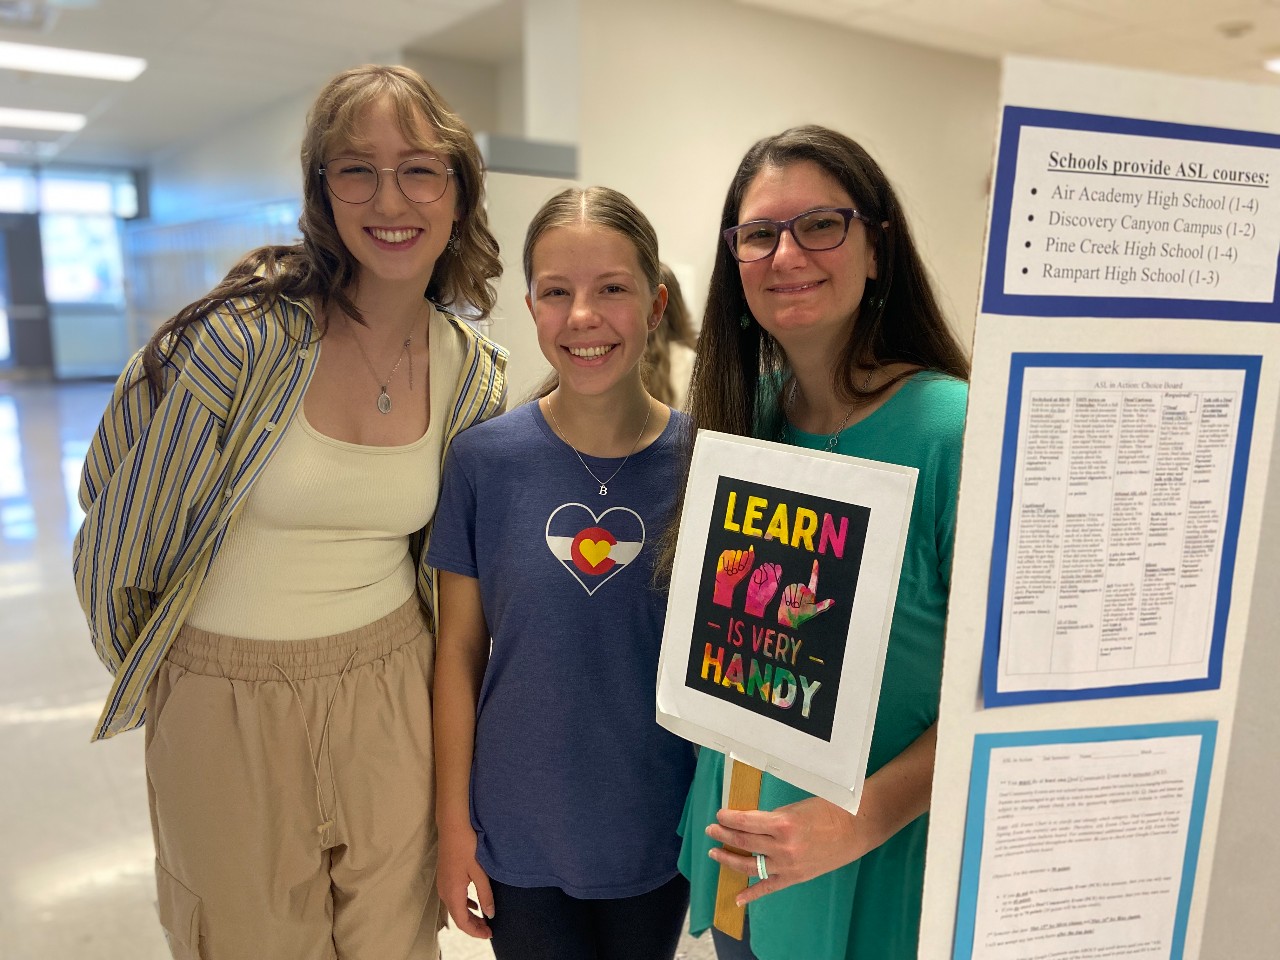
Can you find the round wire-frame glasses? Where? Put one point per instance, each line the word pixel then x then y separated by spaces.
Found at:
pixel 823 228
pixel 420 179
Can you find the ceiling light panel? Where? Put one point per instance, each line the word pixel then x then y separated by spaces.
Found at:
pixel 72 63
pixel 40 120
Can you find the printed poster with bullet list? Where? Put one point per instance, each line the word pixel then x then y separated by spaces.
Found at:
pixel 1123 474
pixel 780 605
pixel 1098 216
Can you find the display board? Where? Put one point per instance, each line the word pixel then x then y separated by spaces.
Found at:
pixel 1119 433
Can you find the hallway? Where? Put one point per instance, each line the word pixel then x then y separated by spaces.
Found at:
pixel 77 879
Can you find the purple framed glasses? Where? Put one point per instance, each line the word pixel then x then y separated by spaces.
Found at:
pixel 822 229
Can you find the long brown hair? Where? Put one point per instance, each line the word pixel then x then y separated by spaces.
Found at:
pixel 676 326
pixel 321 268
pixel 898 320
pixel 739 365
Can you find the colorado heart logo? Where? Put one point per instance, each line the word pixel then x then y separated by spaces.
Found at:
pixel 594 547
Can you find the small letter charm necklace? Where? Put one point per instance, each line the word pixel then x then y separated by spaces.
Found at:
pixel 604 484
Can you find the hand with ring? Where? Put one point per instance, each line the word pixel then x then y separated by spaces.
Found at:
pixel 793 843
pixel 810 837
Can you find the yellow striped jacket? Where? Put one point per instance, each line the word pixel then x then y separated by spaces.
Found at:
pixel 163 482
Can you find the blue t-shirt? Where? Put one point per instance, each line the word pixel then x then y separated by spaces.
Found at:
pixel 573 785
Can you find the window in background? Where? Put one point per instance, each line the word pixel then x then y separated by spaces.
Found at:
pixel 5 350
pixel 17 190
pixel 88 191
pixel 82 258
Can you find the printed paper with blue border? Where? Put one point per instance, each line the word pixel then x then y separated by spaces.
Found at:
pixel 1045 657
pixel 1096 216
pixel 1194 740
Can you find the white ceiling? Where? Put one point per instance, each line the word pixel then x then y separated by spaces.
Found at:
pixel 209 62
pixel 212 62
pixel 1228 39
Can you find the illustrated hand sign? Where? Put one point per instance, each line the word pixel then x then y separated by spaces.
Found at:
pixel 800 603
pixel 731 568
pixel 763 585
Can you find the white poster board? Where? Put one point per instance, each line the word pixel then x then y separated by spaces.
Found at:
pixel 1126 376
pixel 781 600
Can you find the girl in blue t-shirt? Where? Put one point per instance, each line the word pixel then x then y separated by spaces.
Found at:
pixel 558 793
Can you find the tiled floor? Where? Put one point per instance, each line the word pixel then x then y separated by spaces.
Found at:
pixel 76 875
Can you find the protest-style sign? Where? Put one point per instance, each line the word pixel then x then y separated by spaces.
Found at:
pixel 779 610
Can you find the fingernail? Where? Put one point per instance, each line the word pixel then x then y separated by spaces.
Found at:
pixel 489 912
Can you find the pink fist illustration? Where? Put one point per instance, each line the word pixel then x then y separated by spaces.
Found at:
pixel 800 603
pixel 731 568
pixel 763 585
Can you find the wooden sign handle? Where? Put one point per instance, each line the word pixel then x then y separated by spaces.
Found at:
pixel 744 794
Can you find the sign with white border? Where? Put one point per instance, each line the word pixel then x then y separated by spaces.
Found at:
pixel 781 599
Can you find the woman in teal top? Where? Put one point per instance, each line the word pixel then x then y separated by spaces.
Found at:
pixel 822 330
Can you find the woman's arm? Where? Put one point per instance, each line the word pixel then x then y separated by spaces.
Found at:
pixel 462 650
pixel 806 839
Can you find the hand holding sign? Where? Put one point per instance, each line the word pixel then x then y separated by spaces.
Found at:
pixel 763 586
pixel 800 603
pixel 731 568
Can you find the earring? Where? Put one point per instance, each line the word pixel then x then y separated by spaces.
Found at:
pixel 744 321
pixel 454 244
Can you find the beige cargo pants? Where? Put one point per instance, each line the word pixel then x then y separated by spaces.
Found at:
pixel 291 795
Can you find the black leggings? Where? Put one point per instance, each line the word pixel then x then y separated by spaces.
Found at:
pixel 545 923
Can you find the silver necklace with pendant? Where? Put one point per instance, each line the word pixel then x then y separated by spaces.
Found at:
pixel 604 484
pixel 384 398
pixel 834 438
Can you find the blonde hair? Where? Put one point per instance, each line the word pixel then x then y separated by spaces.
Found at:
pixel 676 326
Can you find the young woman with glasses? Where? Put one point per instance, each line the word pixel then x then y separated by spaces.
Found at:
pixel 252 560
pixel 558 793
pixel 821 330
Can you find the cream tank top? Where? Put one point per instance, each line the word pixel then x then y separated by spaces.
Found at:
pixel 322 543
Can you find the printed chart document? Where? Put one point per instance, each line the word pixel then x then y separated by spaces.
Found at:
pixel 1081 844
pixel 1120 494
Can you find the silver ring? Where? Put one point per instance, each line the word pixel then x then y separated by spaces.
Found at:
pixel 761 869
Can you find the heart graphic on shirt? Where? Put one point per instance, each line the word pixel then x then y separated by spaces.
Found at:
pixel 594 547
pixel 595 550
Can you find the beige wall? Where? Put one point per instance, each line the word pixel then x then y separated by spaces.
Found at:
pixel 669 107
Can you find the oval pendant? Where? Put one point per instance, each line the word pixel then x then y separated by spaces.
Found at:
pixel 384 402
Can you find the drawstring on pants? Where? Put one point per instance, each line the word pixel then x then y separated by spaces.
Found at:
pixel 326 820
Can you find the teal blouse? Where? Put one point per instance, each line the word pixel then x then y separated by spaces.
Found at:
pixel 869 909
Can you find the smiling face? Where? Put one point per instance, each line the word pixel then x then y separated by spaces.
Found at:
pixel 393 239
pixel 592 306
pixel 804 297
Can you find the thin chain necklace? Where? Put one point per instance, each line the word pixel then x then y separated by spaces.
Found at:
pixel 384 398
pixel 604 484
pixel 834 438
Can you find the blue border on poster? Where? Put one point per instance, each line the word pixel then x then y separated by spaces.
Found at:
pixel 1018 363
pixel 995 300
pixel 975 822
